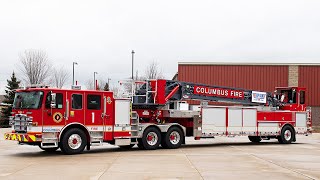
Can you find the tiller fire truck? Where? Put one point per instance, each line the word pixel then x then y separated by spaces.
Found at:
pixel 155 112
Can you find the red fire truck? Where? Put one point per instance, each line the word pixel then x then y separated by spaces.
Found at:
pixel 155 113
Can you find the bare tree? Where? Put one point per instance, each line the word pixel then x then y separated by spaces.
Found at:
pixel 116 91
pixel 90 85
pixel 35 66
pixel 59 77
pixel 153 71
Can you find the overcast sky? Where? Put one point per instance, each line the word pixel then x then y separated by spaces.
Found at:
pixel 100 35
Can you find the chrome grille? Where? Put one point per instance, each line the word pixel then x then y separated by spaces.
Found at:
pixel 20 123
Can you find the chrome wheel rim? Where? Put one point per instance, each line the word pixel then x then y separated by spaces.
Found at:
pixel 74 141
pixel 152 138
pixel 174 137
pixel 287 135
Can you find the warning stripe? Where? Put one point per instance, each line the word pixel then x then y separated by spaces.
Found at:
pixel 20 137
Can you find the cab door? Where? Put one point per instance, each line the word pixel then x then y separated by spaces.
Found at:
pixel 53 117
pixel 76 106
pixel 108 115
pixel 94 111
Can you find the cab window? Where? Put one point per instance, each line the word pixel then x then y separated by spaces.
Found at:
pixel 94 102
pixel 76 101
pixel 289 96
pixel 302 97
pixel 54 100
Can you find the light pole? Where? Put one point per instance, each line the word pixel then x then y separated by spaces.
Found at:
pixel 109 84
pixel 94 80
pixel 132 52
pixel 74 63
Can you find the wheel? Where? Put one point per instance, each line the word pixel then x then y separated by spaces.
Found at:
pixel 287 135
pixel 151 139
pixel 49 149
pixel 127 147
pixel 140 146
pixel 173 138
pixel 73 141
pixel 254 139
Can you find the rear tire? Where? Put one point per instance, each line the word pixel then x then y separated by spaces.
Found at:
pixel 173 138
pixel 287 135
pixel 254 139
pixel 151 139
pixel 73 141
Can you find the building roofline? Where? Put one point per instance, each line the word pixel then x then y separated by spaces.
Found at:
pixel 248 63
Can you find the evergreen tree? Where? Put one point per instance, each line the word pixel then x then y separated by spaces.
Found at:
pixel 13 84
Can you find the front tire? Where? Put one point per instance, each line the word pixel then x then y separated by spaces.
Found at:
pixel 254 139
pixel 73 141
pixel 151 139
pixel 173 138
pixel 287 135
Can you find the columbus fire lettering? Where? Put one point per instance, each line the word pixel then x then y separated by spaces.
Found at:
pixel 218 92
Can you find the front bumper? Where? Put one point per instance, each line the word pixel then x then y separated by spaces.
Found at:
pixel 28 138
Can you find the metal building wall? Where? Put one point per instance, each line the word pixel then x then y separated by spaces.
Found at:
pixel 255 77
pixel 309 77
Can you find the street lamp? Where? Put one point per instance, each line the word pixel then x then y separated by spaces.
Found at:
pixel 109 84
pixel 132 52
pixel 74 63
pixel 94 80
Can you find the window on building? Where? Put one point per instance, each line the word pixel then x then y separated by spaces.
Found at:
pixel 302 97
pixel 94 102
pixel 76 101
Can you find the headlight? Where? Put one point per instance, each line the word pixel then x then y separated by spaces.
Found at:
pixel 29 119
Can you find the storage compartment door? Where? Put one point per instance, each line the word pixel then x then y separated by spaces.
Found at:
pixel 234 121
pixel 301 122
pixel 249 121
pixel 214 121
pixel 122 118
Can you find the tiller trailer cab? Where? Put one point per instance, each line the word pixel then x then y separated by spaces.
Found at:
pixel 155 113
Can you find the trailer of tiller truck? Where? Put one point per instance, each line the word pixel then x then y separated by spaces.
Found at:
pixel 155 113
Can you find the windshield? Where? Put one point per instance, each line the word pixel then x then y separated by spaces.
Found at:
pixel 27 100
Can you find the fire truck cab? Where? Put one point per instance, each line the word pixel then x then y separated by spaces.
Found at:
pixel 69 119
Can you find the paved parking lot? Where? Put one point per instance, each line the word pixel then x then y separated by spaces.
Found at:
pixel 220 158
